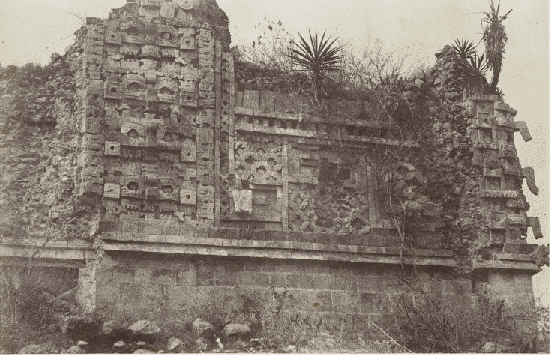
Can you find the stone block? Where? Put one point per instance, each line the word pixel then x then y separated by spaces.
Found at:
pixel 112 149
pixel 170 227
pixel 340 302
pixel 188 197
pixel 189 98
pixel 188 150
pixel 251 99
pixel 534 223
pixel 253 279
pixel 187 277
pixel 242 200
pixel 174 238
pixel 374 302
pixel 529 173
pixel 267 101
pixel 524 130
pixel 113 36
pixel 246 234
pixel 305 281
pixel 183 298
pixel 168 9
pixel 320 282
pixel 142 275
pixel 111 190
pixel 322 238
pixel 109 226
pixel 336 282
pixel 187 39
pixel 164 277
pixel 293 281
pixel 113 90
pixel 202 232
pixel 369 284
pixel 156 239
pixel 230 233
pixel 106 294
pixel 323 301
pixel 119 274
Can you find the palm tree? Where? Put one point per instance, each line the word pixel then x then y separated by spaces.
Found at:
pixel 495 38
pixel 317 57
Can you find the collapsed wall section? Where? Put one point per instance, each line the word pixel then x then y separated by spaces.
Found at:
pixel 40 146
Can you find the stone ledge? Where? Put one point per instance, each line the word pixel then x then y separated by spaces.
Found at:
pixel 371 243
pixel 42 262
pixel 500 264
pixel 175 233
pixel 38 242
pixel 484 98
pixel 499 193
pixel 442 260
pixel 294 245
pixel 24 251
pixel 320 139
pixel 308 118
pixel 515 257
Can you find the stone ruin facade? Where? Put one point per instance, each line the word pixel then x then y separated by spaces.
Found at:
pixel 206 191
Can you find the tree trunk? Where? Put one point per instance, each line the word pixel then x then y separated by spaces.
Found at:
pixel 496 78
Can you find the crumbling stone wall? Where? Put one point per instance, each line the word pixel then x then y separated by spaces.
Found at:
pixel 39 151
pixel 194 191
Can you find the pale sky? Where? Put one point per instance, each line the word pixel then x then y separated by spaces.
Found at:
pixel 31 30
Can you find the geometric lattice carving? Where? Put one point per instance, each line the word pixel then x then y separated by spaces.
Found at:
pixel 259 163
pixel 301 210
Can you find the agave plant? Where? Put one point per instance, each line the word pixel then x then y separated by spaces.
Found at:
pixel 478 63
pixel 495 38
pixel 477 67
pixel 472 67
pixel 464 48
pixel 317 56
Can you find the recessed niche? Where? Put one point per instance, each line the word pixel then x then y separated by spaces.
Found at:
pixel 132 185
pixel 133 133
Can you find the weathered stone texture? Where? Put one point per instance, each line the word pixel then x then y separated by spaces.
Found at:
pixel 199 194
pixel 189 285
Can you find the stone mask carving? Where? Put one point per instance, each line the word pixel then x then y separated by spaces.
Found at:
pixel 186 4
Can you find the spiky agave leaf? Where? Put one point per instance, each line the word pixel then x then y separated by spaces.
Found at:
pixel 478 64
pixel 317 55
pixel 464 48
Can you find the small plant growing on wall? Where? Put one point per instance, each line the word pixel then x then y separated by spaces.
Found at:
pixel 318 56
pixel 472 67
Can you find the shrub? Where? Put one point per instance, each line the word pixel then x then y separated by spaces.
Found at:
pixel 438 324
